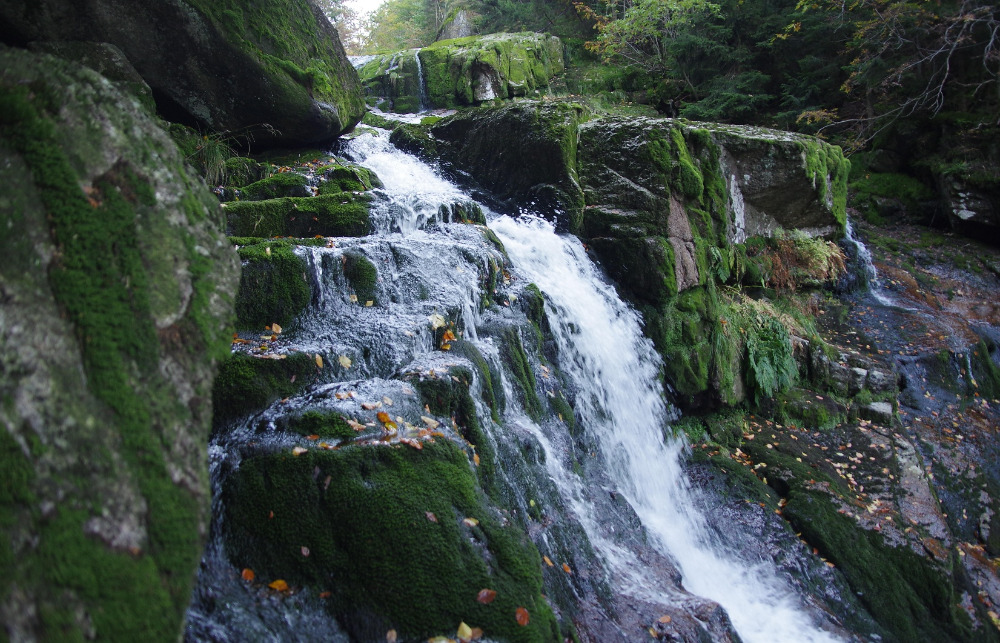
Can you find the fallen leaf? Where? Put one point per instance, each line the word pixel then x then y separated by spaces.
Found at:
pixel 357 426
pixel 448 336
pixel 278 585
pixel 522 616
pixel 486 596
pixel 248 575
pixel 664 619
pixel 326 594
pixel 387 400
pixel 344 360
pixel 652 632
pixel 297 451
pixel 275 329
pixel 312 437
pixel 477 633
pixel 548 561
pixel 464 633
pixel 319 361
pixel 430 516
pixel 369 406
pixel 305 551
pixel 369 303
pixel 566 568
pixel 390 636
pixel 475 458
pixel 354 299
pixel 437 321
pixel 387 421
pixel 430 422
pixel 470 522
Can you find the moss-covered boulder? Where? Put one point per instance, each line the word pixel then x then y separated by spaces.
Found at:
pixel 463 71
pixel 524 153
pixel 394 538
pixel 336 214
pixel 117 295
pixel 273 70
pixel 273 287
pixel 248 383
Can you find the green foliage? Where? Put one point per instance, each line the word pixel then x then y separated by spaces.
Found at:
pixel 770 365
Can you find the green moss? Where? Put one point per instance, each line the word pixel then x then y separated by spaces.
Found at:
pixel 362 275
pixel 286 184
pixel 342 214
pixel 824 161
pixel 562 408
pixel 16 477
pixel 490 382
pixel 689 179
pixel 323 424
pixel 347 177
pixel 364 513
pixel 273 288
pixel 242 171
pixel 246 384
pixel 102 286
pixel 451 398
pixel 985 371
pixel 512 352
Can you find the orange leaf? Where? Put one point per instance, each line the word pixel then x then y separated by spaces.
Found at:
pixel 278 585
pixel 475 458
pixel 664 619
pixel 326 594
pixel 567 569
pixel 477 633
pixel 522 616
pixel 248 575
pixel 448 336
pixel 486 596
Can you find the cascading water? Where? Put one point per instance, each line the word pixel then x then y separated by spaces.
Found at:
pixel 423 103
pixel 866 266
pixel 570 509
pixel 615 369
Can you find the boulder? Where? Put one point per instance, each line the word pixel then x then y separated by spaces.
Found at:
pixel 463 71
pixel 116 296
pixel 274 72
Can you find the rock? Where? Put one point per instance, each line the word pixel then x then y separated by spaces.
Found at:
pixel 877 412
pixel 274 72
pixel 458 24
pixel 880 382
pixel 116 294
pixel 463 71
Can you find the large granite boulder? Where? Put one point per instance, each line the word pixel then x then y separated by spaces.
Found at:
pixel 274 71
pixel 463 71
pixel 116 291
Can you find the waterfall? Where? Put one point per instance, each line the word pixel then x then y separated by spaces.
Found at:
pixel 615 369
pixel 629 503
pixel 869 273
pixel 424 104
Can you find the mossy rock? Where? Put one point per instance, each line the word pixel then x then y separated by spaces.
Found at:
pixel 324 424
pixel 385 532
pixel 362 275
pixel 285 184
pixel 347 177
pixel 246 383
pixel 117 303
pixel 273 288
pixel 342 214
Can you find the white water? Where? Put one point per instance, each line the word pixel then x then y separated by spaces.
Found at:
pixel 422 102
pixel 413 190
pixel 871 274
pixel 616 370
pixel 602 349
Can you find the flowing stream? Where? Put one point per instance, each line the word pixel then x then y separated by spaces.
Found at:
pixel 626 517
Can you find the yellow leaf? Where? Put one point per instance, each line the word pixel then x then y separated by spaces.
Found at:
pixel 369 303
pixel 319 360
pixel 276 329
pixel 357 426
pixel 344 360
pixel 390 636
pixel 470 522
pixel 278 585
pixel 384 418
pixel 464 632
pixel 652 633
pixel 437 321
pixel 387 400
pixel 267 251
pixel 475 458
pixel 446 347
pixel 354 299
pixel 548 561
pixel 297 451
pixel 430 422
